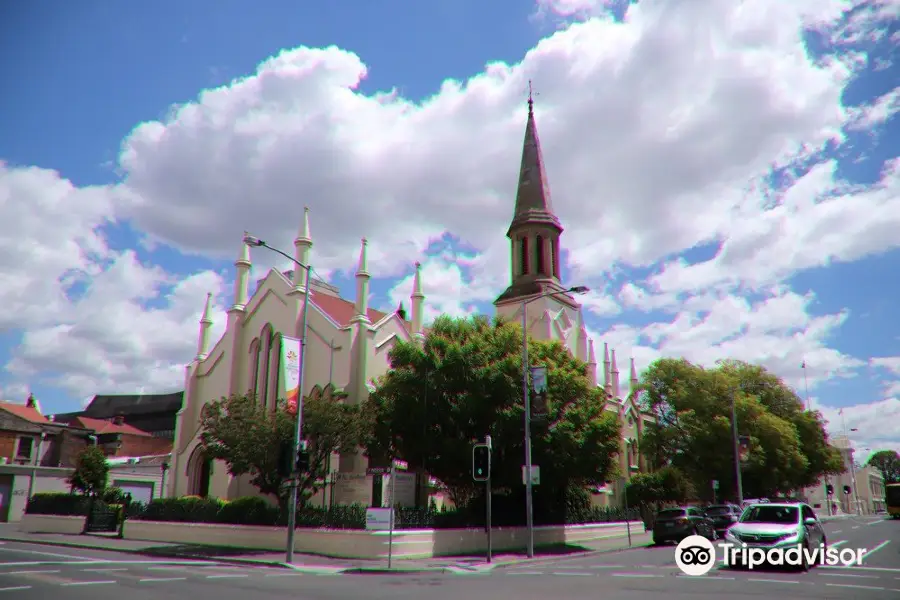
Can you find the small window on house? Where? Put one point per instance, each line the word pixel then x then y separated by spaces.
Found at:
pixel 23 450
pixel 524 255
pixel 540 270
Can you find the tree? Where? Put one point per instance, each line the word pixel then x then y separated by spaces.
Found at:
pixel 465 382
pixel 91 471
pixel 789 446
pixel 888 462
pixel 248 437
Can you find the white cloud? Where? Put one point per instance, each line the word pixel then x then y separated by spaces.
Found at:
pixel 654 144
pixel 876 425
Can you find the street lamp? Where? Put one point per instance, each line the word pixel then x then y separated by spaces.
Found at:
pixel 737 456
pixel 853 470
pixel 529 488
pixel 292 503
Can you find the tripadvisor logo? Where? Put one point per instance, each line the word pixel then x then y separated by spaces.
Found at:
pixel 696 555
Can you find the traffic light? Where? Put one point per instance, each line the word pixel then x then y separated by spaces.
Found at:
pixel 302 463
pixel 481 462
pixel 847 490
pixel 829 489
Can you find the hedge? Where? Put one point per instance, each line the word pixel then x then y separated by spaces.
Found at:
pixel 253 510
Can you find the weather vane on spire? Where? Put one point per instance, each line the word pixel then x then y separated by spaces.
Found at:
pixel 531 95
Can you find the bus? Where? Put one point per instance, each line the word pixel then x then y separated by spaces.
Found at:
pixel 892 495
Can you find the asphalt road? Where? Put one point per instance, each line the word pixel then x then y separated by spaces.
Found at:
pixel 32 571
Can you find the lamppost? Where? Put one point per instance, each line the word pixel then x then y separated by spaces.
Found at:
pixel 292 503
pixel 852 468
pixel 737 456
pixel 529 487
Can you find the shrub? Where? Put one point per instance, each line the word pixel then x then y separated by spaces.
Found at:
pixel 182 510
pixel 57 503
pixel 249 510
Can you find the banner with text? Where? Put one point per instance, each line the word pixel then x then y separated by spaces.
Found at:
pixel 290 372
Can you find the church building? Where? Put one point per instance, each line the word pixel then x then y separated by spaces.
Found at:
pixel 348 341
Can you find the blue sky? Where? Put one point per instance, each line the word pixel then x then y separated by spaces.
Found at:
pixel 649 164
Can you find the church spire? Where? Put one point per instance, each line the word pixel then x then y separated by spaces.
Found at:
pixel 533 203
pixel 534 231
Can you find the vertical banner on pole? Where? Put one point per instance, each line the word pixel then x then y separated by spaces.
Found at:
pixel 290 372
pixel 539 393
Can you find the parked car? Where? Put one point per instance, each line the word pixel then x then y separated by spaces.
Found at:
pixel 675 524
pixel 723 516
pixel 778 525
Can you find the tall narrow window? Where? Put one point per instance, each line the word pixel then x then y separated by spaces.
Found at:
pixel 254 365
pixel 274 376
pixel 266 342
pixel 540 270
pixel 556 257
pixel 524 256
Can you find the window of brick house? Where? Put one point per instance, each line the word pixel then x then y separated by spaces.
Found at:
pixel 24 448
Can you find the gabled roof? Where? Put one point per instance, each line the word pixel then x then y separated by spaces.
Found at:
pixel 100 426
pixel 109 406
pixel 26 413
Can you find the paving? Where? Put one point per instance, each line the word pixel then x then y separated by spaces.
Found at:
pixel 30 571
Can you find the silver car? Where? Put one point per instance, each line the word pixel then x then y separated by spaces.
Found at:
pixel 778 525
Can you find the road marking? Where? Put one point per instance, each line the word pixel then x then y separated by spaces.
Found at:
pixel 855 587
pixel 28 572
pixel 102 570
pixel 56 554
pixel 283 574
pixel 156 579
pixel 87 583
pixel 609 566
pixel 572 574
pixel 876 549
pixel 855 527
pixel 230 575
pixel 707 577
pixel 838 543
pixel 849 575
pixel 525 573
pixel 774 581
pixel 884 569
pixel 837 531
pixel 877 522
pixel 639 575
pixel 18 588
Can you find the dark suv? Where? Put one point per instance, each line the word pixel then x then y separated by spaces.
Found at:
pixel 675 524
pixel 723 516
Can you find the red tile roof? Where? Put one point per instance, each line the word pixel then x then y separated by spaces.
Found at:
pixel 343 310
pixel 24 412
pixel 103 426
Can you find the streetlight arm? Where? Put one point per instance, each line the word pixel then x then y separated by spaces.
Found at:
pixel 254 241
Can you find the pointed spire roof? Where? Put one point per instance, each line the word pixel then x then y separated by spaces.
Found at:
pixel 304 235
pixel 417 282
pixel 207 310
pixel 362 268
pixel 533 203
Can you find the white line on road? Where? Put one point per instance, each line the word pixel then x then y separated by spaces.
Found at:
pixel 87 583
pixel 877 522
pixel 876 549
pixel 28 572
pixel 855 587
pixel 157 579
pixel 638 575
pixel 284 574
pixel 18 588
pixel 230 575
pixel 836 531
pixel 103 570
pixel 855 527
pixel 609 566
pixel 774 581
pixel 572 574
pixel 885 569
pixel 56 554
pixel 849 575
pixel 707 578
pixel 525 573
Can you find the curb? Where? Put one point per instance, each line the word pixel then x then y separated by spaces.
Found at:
pixel 76 545
pixel 573 555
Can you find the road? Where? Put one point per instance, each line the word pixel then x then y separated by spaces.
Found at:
pixel 32 571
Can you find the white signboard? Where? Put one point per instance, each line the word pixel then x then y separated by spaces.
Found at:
pixel 379 519
pixel 404 489
pixel 535 475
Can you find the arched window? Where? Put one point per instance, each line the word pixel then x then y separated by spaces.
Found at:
pixel 275 371
pixel 199 473
pixel 539 252
pixel 524 255
pixel 265 341
pixel 254 365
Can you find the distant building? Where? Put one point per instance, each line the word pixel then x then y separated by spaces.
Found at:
pixel 868 485
pixel 152 413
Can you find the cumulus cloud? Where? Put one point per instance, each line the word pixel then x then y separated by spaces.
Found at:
pixel 875 424
pixel 659 134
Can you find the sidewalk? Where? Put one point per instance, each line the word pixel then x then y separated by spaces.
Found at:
pixel 321 565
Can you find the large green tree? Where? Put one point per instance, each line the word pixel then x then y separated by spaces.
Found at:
pixel 888 462
pixel 464 383
pixel 789 446
pixel 91 471
pixel 248 437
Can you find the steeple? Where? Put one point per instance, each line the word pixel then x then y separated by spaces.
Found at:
pixel 205 325
pixel 634 377
pixel 417 301
pixel 362 282
pixel 615 375
pixel 242 277
pixel 535 230
pixel 302 246
pixel 592 364
pixel 607 375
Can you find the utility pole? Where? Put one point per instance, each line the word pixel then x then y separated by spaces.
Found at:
pixel 737 455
